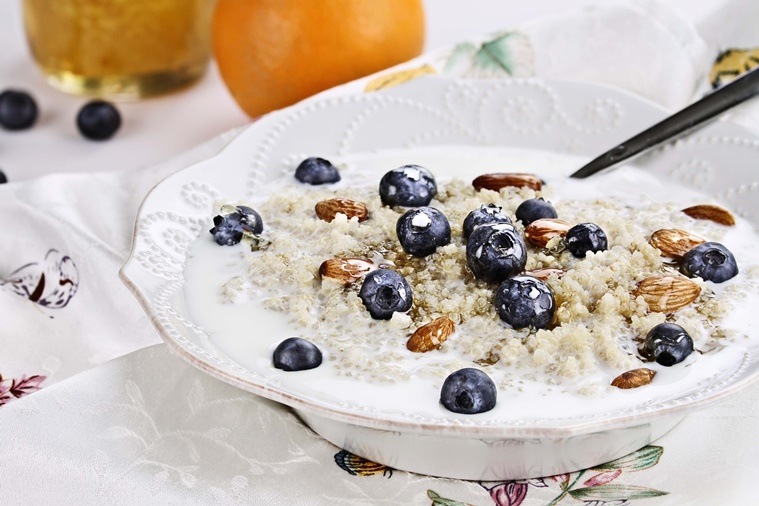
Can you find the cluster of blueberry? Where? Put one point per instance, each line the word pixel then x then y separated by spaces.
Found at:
pixel 668 343
pixel 236 222
pixel 495 253
pixel 96 120
pixel 421 230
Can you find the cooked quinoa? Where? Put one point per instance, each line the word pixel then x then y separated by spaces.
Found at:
pixel 598 323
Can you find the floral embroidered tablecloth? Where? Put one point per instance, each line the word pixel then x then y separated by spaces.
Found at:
pixel 148 428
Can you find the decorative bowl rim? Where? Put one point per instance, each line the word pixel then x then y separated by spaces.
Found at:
pixel 390 423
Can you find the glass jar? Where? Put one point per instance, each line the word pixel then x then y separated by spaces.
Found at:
pixel 119 49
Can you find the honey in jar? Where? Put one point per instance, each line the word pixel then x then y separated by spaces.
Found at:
pixel 119 48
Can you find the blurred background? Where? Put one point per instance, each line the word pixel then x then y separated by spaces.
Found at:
pixel 158 127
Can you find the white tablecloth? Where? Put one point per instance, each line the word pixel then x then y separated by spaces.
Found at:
pixel 147 428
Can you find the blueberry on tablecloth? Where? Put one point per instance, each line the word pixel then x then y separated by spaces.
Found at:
pixel 98 120
pixel 18 110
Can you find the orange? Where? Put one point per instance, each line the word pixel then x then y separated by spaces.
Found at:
pixel 273 53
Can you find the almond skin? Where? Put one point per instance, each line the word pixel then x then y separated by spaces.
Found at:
pixel 498 180
pixel 539 232
pixel 711 212
pixel 431 336
pixel 544 274
pixel 328 209
pixel 667 294
pixel 346 270
pixel 673 242
pixel 634 378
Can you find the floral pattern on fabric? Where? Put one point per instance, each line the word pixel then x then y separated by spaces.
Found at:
pixel 731 64
pixel 505 54
pixel 395 78
pixel 358 466
pixel 51 283
pixel 13 388
pixel 596 489
pixel 438 500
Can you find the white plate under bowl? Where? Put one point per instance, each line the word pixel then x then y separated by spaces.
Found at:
pixel 551 116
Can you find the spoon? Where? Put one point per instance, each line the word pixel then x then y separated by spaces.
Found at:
pixel 696 114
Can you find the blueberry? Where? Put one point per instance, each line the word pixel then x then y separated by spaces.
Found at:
pixel 18 110
pixel 524 301
pixel 98 120
pixel 495 252
pixel 468 391
pixel 668 344
pixel 489 213
pixel 317 171
pixel 710 261
pixel 408 186
pixel 422 230
pixel 585 237
pixel 250 220
pixel 535 209
pixel 228 228
pixel 385 292
pixel 297 354
pixel 3 177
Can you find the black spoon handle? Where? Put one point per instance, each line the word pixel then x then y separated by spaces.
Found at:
pixel 694 115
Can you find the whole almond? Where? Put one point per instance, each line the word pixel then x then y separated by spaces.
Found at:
pixel 667 294
pixel 634 378
pixel 673 242
pixel 498 180
pixel 431 336
pixel 345 270
pixel 711 212
pixel 544 274
pixel 328 209
pixel 539 232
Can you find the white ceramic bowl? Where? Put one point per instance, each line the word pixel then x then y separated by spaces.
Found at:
pixel 554 116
